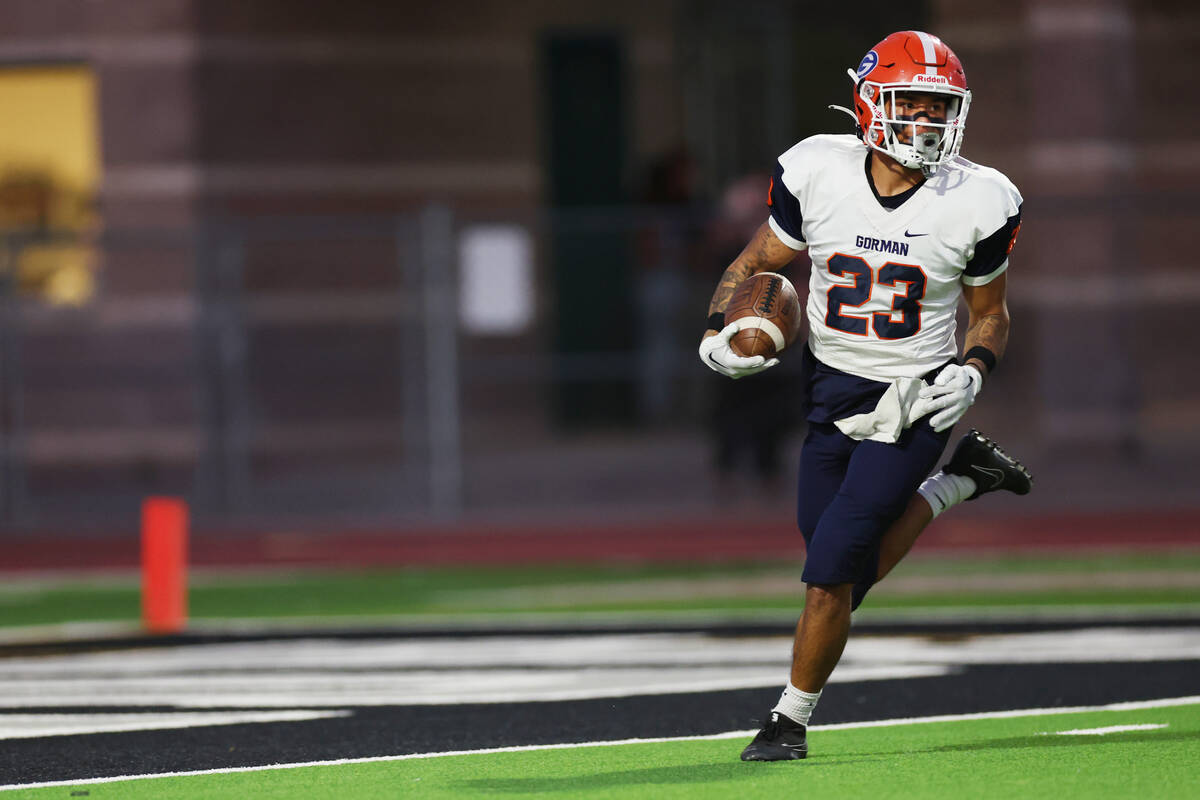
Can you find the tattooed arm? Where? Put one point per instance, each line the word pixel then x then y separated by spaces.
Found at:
pixel 988 322
pixel 764 252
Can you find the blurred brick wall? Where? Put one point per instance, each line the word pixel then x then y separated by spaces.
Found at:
pixel 1082 104
pixel 216 109
pixel 283 107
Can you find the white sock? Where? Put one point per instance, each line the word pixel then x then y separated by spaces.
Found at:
pixel 797 705
pixel 943 491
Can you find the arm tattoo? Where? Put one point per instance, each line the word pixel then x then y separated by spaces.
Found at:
pixel 990 331
pixel 734 274
pixel 764 252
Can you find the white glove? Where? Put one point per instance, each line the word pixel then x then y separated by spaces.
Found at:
pixel 951 394
pixel 718 356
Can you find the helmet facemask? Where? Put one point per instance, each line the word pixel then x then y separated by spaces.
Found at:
pixel 922 142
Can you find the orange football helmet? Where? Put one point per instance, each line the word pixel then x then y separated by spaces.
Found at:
pixel 911 62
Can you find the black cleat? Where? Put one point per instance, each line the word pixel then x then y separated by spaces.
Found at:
pixel 980 459
pixel 779 740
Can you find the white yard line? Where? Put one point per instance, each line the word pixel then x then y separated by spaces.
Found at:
pixel 417 688
pixel 1029 712
pixel 1107 730
pixel 333 673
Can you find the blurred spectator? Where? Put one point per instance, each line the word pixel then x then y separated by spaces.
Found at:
pixel 665 251
pixel 754 416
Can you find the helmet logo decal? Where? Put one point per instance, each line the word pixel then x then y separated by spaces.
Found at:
pixel 921 78
pixel 867 64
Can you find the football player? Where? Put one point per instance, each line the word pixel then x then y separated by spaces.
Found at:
pixel 899 229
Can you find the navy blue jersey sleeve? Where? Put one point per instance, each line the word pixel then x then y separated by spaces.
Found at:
pixel 785 207
pixel 991 252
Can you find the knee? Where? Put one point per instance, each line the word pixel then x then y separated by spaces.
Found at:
pixel 828 600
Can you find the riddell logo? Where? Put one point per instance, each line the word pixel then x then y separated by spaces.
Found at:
pixel 923 78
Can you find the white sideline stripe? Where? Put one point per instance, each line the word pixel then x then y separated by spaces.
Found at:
pixel 1109 729
pixel 313 689
pixel 1135 705
pixel 882 723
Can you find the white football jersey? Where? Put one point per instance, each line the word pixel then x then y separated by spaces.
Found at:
pixel 885 284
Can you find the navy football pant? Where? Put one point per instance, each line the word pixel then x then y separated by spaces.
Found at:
pixel 851 492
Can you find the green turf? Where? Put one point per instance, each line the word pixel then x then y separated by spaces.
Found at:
pixel 993 758
pixel 709 588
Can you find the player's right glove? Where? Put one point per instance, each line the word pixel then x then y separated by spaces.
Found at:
pixel 718 356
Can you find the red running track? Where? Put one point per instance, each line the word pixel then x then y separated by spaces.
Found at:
pixel 681 540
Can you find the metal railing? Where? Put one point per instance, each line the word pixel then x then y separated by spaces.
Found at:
pixel 201 369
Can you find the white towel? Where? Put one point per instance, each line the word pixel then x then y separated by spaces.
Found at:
pixel 896 410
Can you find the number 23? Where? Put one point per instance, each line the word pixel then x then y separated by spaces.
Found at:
pixel 891 274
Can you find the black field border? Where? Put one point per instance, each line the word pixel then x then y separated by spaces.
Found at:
pixel 382 731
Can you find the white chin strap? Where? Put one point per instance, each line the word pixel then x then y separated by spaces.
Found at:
pixel 926 144
pixel 923 153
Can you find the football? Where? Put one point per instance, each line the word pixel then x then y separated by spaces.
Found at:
pixel 769 309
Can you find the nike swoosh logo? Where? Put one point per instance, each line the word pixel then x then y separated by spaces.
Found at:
pixel 913 235
pixel 721 368
pixel 996 475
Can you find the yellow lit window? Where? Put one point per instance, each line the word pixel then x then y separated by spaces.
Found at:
pixel 49 171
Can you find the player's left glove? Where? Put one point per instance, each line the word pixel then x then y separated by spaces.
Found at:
pixel 950 395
